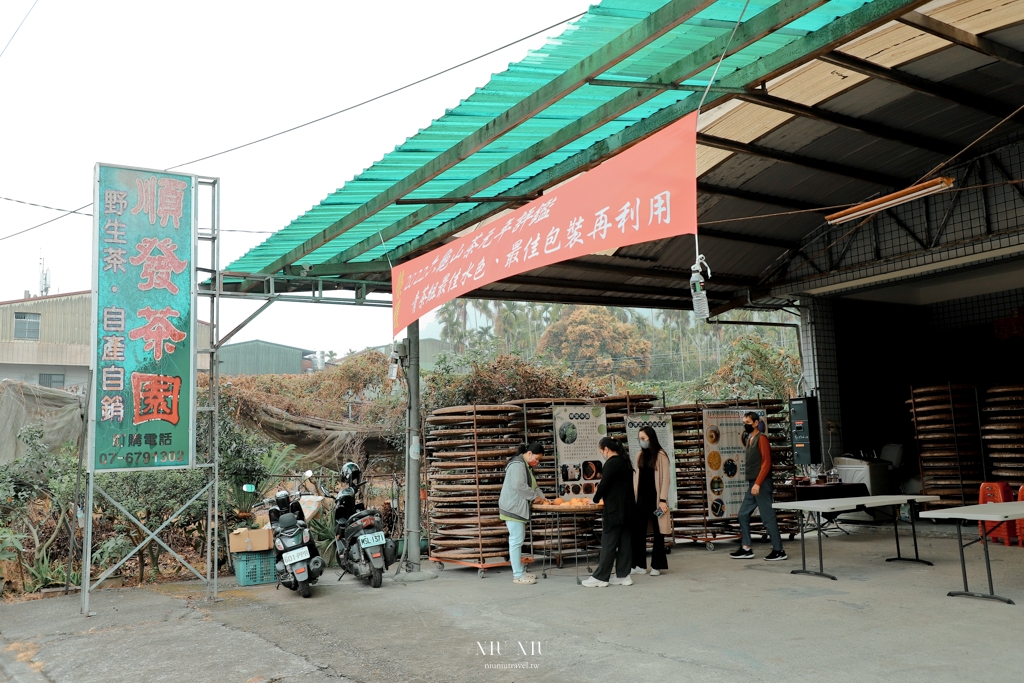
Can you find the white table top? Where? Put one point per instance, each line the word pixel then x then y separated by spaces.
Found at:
pixel 845 504
pixel 989 512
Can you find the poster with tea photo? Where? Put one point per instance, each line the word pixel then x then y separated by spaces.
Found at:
pixel 725 446
pixel 578 461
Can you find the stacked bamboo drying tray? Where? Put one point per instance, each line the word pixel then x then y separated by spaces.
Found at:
pixel 468 447
pixel 690 520
pixel 945 420
pixel 1002 433
pixel 616 408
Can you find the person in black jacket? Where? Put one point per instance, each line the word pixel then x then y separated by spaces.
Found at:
pixel 616 489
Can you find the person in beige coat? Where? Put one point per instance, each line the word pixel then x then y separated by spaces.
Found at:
pixel 652 480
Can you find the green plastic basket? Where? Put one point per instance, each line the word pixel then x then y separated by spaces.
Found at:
pixel 253 569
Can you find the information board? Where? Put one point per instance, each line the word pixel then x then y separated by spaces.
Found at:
pixel 724 460
pixel 578 460
pixel 143 320
pixel 662 425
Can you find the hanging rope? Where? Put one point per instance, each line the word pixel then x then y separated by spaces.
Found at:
pixel 697 292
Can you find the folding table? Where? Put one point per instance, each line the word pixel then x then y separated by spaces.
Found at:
pixel 818 507
pixel 989 512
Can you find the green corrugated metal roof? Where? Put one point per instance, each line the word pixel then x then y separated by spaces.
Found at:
pixel 601 25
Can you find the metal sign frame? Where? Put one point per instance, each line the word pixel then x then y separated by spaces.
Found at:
pixel 212 466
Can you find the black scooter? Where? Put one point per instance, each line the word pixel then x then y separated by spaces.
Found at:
pixel 362 546
pixel 297 568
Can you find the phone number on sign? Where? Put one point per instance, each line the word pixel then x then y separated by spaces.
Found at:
pixel 142 458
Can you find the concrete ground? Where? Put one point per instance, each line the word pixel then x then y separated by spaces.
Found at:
pixel 710 618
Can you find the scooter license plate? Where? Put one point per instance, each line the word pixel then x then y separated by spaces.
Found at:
pixel 296 555
pixel 370 540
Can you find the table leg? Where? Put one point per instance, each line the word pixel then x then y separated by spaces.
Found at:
pixel 803 553
pixel 896 528
pixel 988 567
pixel 576 549
pixel 558 535
pixel 803 548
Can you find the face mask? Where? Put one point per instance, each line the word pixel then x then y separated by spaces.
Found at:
pixel 748 428
pixel 644 443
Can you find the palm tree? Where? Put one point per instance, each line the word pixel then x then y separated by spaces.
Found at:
pixel 509 317
pixel 452 316
pixel 537 316
pixel 638 319
pixel 482 308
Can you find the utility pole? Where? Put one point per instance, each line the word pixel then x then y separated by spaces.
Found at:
pixel 413 460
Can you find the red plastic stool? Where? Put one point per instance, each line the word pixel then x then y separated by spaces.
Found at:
pixel 996 492
pixel 1020 522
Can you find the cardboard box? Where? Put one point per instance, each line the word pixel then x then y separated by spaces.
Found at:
pixel 310 506
pixel 251 540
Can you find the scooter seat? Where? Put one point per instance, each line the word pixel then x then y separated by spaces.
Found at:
pixel 360 515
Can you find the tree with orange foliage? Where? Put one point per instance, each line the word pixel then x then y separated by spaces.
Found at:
pixel 595 343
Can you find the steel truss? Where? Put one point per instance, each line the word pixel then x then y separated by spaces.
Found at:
pixel 978 221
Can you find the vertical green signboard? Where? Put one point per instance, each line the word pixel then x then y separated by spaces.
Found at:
pixel 143 320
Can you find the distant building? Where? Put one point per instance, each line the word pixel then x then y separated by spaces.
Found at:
pixel 430 349
pixel 45 340
pixel 259 357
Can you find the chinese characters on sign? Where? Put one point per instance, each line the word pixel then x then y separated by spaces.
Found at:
pixel 144 343
pixel 646 193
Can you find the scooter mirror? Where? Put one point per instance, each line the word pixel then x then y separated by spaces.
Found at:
pixel 248 488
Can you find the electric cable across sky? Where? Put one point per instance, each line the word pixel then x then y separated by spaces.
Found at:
pixel 309 123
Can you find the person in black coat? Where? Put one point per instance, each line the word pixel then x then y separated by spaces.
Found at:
pixel 616 490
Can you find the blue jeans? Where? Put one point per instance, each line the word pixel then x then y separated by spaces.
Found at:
pixel 763 502
pixel 516 536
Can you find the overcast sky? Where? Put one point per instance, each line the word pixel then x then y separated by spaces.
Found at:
pixel 156 84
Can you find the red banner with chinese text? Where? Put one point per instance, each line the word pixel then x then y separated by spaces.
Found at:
pixel 648 192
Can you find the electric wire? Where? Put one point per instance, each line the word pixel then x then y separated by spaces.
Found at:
pixel 377 97
pixel 981 137
pixel 11 39
pixel 39 225
pixel 317 120
pixel 870 218
pixel 44 206
pixel 935 170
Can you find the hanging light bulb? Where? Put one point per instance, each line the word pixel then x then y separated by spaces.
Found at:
pixel 697 292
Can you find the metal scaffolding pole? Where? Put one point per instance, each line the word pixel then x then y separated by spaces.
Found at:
pixel 412 474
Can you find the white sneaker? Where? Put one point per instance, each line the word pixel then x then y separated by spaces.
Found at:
pixel 655 572
pixel 616 581
pixel 637 570
pixel 594 583
pixel 530 575
pixel 524 580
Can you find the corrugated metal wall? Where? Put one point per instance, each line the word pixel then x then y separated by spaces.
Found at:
pixel 62 319
pixel 64 329
pixel 260 358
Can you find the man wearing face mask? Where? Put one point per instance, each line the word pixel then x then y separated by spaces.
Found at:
pixel 759 494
